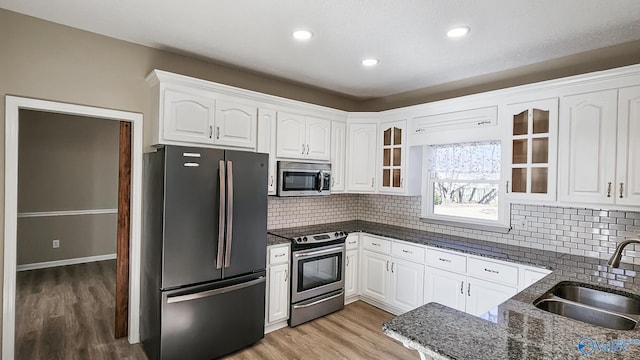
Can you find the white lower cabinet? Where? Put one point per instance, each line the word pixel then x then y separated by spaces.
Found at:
pixel 351 275
pixel 483 296
pixel 277 293
pixel 391 281
pixel 444 287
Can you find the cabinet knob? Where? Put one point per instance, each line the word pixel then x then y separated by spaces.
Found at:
pixel 609 189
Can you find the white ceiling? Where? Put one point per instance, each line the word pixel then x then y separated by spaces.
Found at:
pixel 407 36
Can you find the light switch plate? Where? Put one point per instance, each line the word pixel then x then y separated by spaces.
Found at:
pixel 523 224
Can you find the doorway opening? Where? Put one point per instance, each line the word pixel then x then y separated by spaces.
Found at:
pixel 132 209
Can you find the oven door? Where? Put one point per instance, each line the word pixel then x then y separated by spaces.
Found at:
pixel 317 271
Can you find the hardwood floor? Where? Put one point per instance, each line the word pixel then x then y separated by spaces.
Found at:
pixel 68 313
pixel 352 333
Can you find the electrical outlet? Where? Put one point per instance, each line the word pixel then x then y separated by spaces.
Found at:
pixel 523 224
pixel 56 244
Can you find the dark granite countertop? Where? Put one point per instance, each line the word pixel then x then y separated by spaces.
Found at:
pixel 516 329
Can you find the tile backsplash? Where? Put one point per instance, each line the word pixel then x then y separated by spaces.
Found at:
pixel 578 231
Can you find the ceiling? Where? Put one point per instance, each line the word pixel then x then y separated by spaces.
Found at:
pixel 408 36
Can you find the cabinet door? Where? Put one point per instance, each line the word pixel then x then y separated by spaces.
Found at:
pixel 267 143
pixel 318 139
pixel 392 156
pixel 444 287
pixel 483 296
pixel 361 152
pixel 375 275
pixel 531 150
pixel 588 151
pixel 278 295
pixel 188 116
pixel 338 155
pixel 290 139
pixel 407 284
pixel 351 274
pixel 628 163
pixel 235 124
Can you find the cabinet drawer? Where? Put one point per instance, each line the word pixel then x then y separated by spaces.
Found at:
pixel 493 271
pixel 352 241
pixel 409 252
pixel 278 255
pixel 446 260
pixel 376 244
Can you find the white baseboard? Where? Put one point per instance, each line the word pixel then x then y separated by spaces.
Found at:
pixel 49 264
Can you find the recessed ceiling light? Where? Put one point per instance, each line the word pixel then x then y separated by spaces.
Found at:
pixel 458 31
pixel 370 62
pixel 302 34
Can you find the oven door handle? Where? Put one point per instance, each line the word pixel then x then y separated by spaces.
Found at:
pixel 319 301
pixel 319 252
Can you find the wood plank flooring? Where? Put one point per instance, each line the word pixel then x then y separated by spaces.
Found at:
pixel 352 333
pixel 68 313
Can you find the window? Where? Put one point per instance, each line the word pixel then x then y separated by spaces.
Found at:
pixel 463 183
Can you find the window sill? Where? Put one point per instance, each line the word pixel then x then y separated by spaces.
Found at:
pixel 466 225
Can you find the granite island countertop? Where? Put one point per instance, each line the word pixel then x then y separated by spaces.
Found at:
pixel 516 329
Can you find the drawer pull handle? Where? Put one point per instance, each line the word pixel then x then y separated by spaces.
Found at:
pixel 462 287
pixel 609 189
pixel 286 275
pixel 491 271
pixel 469 289
pixel 375 244
pixel 445 260
pixel 279 255
pixel 621 189
pixel 484 122
pixel 407 251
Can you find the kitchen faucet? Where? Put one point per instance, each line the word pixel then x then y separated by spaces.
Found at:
pixel 614 262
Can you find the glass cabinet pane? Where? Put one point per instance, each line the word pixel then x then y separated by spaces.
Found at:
pixel 519 152
pixel 387 137
pixel 521 123
pixel 386 157
pixel 519 180
pixel 540 121
pixel 397 136
pixel 397 156
pixel 540 150
pixel 386 177
pixel 539 180
pixel 396 178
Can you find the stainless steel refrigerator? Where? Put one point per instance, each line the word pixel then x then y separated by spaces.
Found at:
pixel 203 252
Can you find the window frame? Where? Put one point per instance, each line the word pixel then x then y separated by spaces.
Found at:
pixel 502 224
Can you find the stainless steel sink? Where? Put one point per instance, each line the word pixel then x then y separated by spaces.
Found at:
pixel 591 304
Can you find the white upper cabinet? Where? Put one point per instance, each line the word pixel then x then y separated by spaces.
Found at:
pixel 188 115
pixel 301 137
pixel 267 143
pixel 235 124
pixel 628 163
pixel 587 152
pixel 338 155
pixel 392 140
pixel 361 155
pixel 531 149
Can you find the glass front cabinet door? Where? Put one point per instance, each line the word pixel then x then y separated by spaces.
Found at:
pixel 531 149
pixel 392 157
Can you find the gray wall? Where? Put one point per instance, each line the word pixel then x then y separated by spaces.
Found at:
pixel 66 163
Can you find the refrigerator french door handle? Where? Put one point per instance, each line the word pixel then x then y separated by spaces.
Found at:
pixel 221 215
pixel 204 294
pixel 227 258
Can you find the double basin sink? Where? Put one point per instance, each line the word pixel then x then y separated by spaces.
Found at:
pixel 592 304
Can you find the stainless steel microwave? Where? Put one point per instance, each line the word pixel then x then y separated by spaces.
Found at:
pixel 303 179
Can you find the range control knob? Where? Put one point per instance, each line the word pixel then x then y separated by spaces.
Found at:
pixel 336 234
pixel 304 239
pixel 341 233
pixel 299 240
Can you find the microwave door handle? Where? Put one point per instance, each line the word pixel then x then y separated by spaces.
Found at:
pixel 321 175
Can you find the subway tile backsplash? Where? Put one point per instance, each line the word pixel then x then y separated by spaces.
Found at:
pixel 578 231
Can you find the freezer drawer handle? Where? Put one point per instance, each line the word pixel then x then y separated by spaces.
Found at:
pixel 319 301
pixel 221 215
pixel 204 294
pixel 227 257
